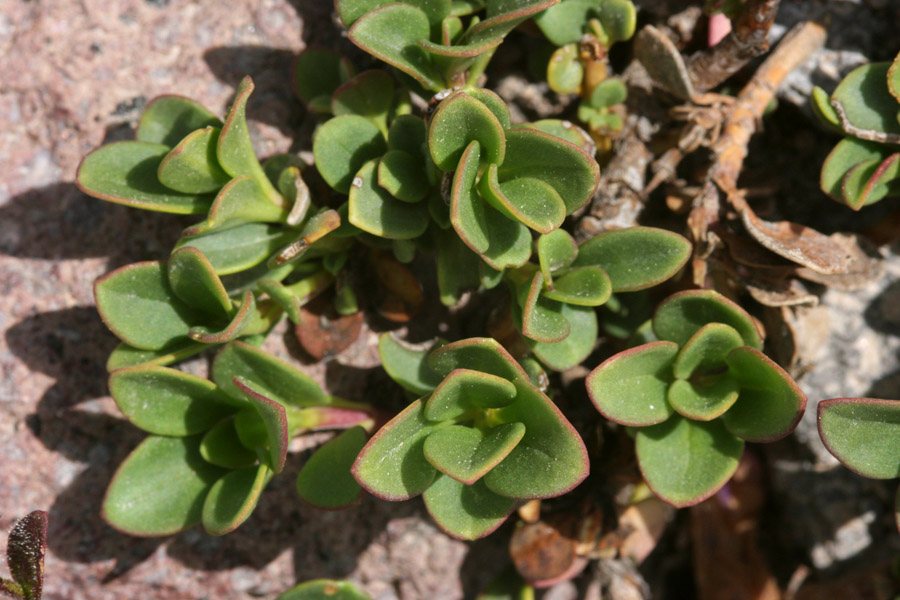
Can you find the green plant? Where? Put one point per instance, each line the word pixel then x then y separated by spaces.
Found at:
pixel 324 589
pixel 222 441
pixel 696 395
pixel 25 550
pixel 861 433
pixel 864 167
pixel 482 438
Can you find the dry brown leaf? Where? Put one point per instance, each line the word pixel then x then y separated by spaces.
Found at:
pixel 322 332
pixel 865 265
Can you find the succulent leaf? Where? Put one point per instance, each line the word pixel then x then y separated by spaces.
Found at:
pixel 607 93
pixel 583 286
pixel 274 417
pixel 341 147
pixel 576 347
pixel 459 120
pixel 467 453
pixel 706 350
pixel 325 480
pixel 466 512
pixel 542 320
pixel 847 154
pixel 240 322
pixel 193 279
pixel 556 250
pixel 324 588
pixel 407 366
pixel 370 94
pixel 238 248
pixel 221 446
pixel 527 200
pixel 866 99
pixel 861 433
pixel 565 71
pixel 703 401
pixel 465 389
pixel 318 72
pixel 402 175
pixel 124 355
pixel 232 499
pixel 682 315
pixel 168 119
pixel 242 200
pixel 476 354
pixel 191 167
pixel 374 210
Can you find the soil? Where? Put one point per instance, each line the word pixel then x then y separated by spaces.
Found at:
pixel 77 74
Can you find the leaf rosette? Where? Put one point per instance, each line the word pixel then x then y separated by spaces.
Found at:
pixel 696 395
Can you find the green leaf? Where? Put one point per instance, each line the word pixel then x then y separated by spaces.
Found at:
pixel 235 150
pixel 241 201
pixel 324 589
pixel 580 342
pixel 550 459
pixel 465 389
pixel 635 258
pixel 870 181
pixel 893 78
pixel 392 464
pixel 392 33
pixel 193 279
pixel 848 153
pixel 126 173
pixel 222 446
pixel 467 453
pixel 270 376
pixel 862 433
pixel 619 19
pixel 342 146
pixel 555 250
pixel 476 354
pixel 459 120
pixel 607 93
pixel 274 417
pixel 866 99
pixel 820 102
pixel 241 321
pixel 682 315
pixel 584 286
pixel 137 304
pixel 402 175
pixel 317 74
pixel 567 131
pixel 191 167
pixel 685 462
pixel 770 404
pixel 166 401
pixel 571 171
pixel 124 355
pixel 160 488
pixel 408 134
pixel 565 71
pixel 494 103
pixel 369 94
pixel 375 211
pixel 527 200
pixel 238 248
pixel 706 350
pixel 564 23
pixel 168 119
pixel 630 388
pixel 703 401
pixel 325 480
pixel 457 267
pixel 542 320
pixel 466 512
pixel 233 498
pixel 407 366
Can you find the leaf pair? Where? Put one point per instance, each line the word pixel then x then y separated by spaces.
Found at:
pixel 555 300
pixel 483 438
pixel 865 166
pixel 601 110
pixel 697 395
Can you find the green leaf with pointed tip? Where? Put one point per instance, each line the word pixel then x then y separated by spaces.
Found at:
pixel 476 354
pixel 630 388
pixel 608 92
pixel 870 181
pixel 466 453
pixel 564 23
pixel 137 304
pixel 402 175
pixel 240 322
pixel 193 279
pixel 317 74
pixel 191 167
pixel 565 71
pixel 168 119
pixel 370 94
pixel 274 417
pixel 233 498
pixel 584 286
pixel 703 401
pixel 549 460
pixel 325 480
pixel 160 488
pixel 635 258
pixel 770 404
pixel 685 462
pixel 494 103
pixel 267 374
pixel 235 150
pixel 862 434
pixel 457 267
pixel 165 401
pixel 866 99
pixel 126 173
pixel 466 389
pixel 342 146
pixel 238 248
pixel 571 171
pixel 124 355
pixel 580 342
pixel 466 512
pixel 706 350
pixel 682 315
pixel 324 589
pixel 820 102
pixel 221 446
pixel 848 153
pixel 407 366
pixel 242 200
pixel 458 121
pixel 392 464
pixel 542 320
pixel 527 200
pixel 375 211
pixel 392 33
pixel 556 250
pixel 618 18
